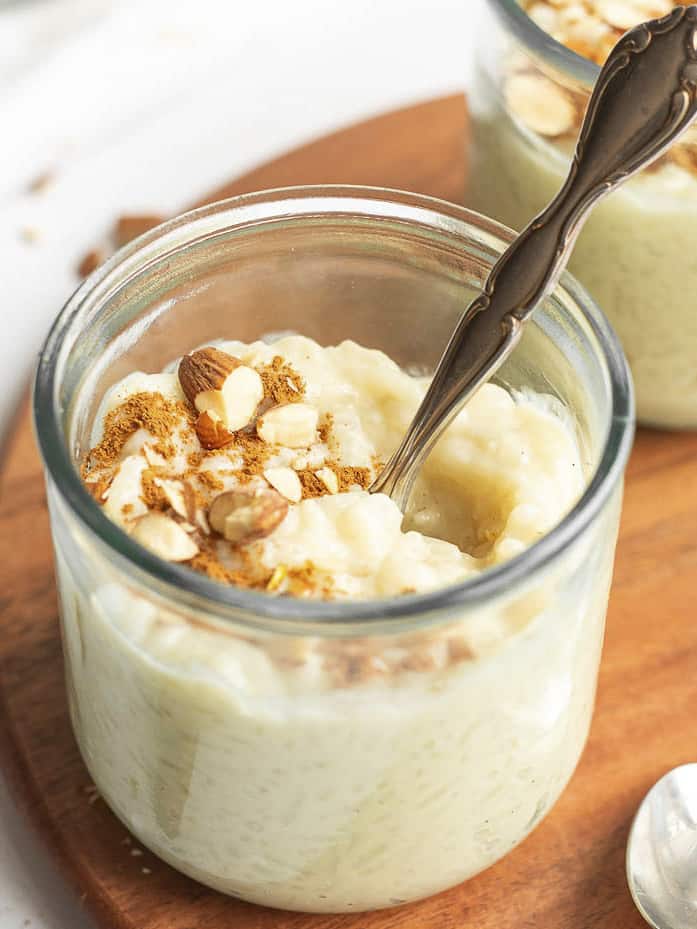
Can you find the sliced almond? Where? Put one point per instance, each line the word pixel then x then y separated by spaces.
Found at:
pixel 216 382
pixel 286 482
pixel 180 496
pixel 329 479
pixel 622 14
pixel 277 578
pixel 153 458
pixel 291 424
pixel 541 104
pixel 98 488
pixel 244 515
pixel 164 538
pixel 211 432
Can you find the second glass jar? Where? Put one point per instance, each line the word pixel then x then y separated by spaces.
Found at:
pixel 636 253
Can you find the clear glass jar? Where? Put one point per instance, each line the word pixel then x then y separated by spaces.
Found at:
pixel 636 252
pixel 256 743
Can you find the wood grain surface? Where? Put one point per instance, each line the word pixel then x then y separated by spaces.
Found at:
pixel 570 873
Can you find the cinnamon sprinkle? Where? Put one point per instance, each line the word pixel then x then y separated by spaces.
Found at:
pixel 282 383
pixel 325 428
pixel 312 486
pixel 349 477
pixel 255 454
pixel 150 411
pixel 210 480
pixel 171 426
pixel 152 495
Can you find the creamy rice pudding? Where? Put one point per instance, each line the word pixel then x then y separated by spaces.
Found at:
pixel 316 773
pixel 251 464
pixel 282 688
pixel 635 254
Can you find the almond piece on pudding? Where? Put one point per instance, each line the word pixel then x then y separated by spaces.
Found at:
pixel 245 515
pixel 215 382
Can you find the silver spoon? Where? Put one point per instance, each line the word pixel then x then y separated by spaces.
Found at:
pixel 662 852
pixel 644 99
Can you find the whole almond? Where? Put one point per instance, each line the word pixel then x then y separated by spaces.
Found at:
pixel 211 432
pixel 205 369
pixel 215 382
pixel 244 515
pixel 237 400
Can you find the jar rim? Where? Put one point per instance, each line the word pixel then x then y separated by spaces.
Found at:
pixel 543 45
pixel 216 601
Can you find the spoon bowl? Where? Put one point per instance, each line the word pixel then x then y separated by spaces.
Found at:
pixel 662 852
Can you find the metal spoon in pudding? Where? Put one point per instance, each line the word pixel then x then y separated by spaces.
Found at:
pixel 644 99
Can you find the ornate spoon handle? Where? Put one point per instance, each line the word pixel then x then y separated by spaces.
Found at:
pixel 644 99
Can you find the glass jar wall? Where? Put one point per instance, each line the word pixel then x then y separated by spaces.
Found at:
pixel 636 253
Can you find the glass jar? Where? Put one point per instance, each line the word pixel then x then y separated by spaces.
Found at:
pixel 314 755
pixel 636 252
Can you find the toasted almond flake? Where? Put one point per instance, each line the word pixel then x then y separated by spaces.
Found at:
pixel 541 104
pixel 291 424
pixel 98 488
pixel 277 578
pixel 619 13
pixel 329 479
pixel 202 522
pixel 286 482
pixel 180 496
pixel 165 538
pixel 153 458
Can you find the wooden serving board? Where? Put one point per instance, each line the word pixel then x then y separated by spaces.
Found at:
pixel 570 872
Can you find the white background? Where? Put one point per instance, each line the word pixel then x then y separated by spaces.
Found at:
pixel 143 105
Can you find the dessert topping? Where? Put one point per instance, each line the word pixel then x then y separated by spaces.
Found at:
pixel 211 432
pixel 215 382
pixel 246 514
pixel 541 104
pixel 292 424
pixel 164 537
pixel 286 482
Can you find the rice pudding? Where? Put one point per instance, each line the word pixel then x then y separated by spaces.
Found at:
pixel 251 464
pixel 319 772
pixel 635 252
